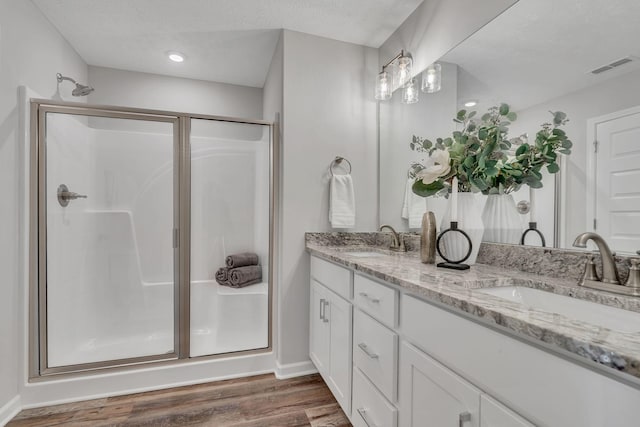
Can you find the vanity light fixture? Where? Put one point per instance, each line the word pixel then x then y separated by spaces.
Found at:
pixel 432 78
pixel 410 92
pixel 386 81
pixel 176 56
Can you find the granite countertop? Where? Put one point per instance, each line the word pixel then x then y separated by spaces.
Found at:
pixel 461 290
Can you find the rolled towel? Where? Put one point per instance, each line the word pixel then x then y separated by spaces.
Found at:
pixel 245 276
pixel 222 276
pixel 241 260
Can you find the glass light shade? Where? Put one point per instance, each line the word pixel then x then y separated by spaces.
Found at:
pixel 405 64
pixel 410 92
pixel 383 86
pixel 432 78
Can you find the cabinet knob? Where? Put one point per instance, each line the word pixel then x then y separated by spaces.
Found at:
pixel 464 417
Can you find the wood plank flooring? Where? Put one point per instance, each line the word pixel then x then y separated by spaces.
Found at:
pixel 260 401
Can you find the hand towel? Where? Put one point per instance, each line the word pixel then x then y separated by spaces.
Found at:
pixel 342 202
pixel 222 276
pixel 241 260
pixel 413 206
pixel 245 276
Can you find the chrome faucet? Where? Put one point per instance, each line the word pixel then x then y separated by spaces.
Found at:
pixel 609 270
pixel 397 244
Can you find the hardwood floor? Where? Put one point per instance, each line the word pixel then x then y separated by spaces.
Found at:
pixel 260 401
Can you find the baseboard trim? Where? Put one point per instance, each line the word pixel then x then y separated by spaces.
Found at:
pixel 10 410
pixel 297 369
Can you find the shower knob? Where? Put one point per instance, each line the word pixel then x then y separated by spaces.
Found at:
pixel 65 196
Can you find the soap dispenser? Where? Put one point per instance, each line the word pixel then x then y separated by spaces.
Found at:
pixel 428 238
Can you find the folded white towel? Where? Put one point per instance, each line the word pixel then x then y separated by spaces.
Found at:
pixel 413 206
pixel 342 202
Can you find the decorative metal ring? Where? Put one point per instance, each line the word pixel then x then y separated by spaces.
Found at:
pixel 442 233
pixel 337 161
pixel 535 230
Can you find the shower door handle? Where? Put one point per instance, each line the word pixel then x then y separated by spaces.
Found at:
pixel 65 196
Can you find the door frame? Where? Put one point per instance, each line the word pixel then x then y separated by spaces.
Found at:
pixel 38 358
pixel 592 160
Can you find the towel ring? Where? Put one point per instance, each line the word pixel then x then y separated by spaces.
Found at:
pixel 336 162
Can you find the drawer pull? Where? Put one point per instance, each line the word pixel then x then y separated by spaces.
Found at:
pixel 366 350
pixel 365 417
pixel 322 309
pixel 324 312
pixel 463 418
pixel 370 298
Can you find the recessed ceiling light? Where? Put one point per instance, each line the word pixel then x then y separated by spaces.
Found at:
pixel 471 103
pixel 175 56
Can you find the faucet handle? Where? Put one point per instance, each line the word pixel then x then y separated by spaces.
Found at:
pixel 590 272
pixel 634 274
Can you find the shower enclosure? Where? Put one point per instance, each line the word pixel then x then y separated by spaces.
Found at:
pixel 132 213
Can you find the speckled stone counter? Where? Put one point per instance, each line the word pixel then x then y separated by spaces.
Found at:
pixel 461 290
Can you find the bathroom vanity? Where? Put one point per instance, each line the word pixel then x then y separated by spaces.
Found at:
pixel 401 343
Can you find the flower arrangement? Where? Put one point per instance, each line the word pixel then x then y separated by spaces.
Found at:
pixel 482 158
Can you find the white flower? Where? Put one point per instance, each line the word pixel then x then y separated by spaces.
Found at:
pixel 438 166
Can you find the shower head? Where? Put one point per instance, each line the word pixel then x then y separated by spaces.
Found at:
pixel 80 90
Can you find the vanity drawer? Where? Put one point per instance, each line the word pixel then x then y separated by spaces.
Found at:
pixel 378 300
pixel 334 277
pixel 375 352
pixel 370 408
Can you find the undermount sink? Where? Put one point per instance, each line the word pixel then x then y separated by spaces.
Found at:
pixel 596 314
pixel 364 254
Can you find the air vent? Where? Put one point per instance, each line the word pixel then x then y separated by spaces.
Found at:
pixel 613 65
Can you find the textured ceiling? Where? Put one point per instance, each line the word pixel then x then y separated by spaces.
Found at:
pixel 229 41
pixel 540 49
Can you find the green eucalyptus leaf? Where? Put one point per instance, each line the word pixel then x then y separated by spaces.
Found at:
pixel 491 171
pixel 461 114
pixel 512 116
pixel 426 190
pixel 472 114
pixel 485 117
pixel 553 168
pixel 504 109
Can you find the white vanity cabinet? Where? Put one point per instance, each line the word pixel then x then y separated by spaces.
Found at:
pixel 330 335
pixel 395 359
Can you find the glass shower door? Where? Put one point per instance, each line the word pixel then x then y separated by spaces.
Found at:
pixel 107 188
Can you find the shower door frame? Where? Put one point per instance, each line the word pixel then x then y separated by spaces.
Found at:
pixel 38 360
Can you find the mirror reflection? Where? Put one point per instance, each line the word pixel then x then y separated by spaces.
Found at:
pixel 576 57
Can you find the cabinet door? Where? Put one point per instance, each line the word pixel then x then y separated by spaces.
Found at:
pixel 433 396
pixel 319 328
pixel 494 414
pixel 339 314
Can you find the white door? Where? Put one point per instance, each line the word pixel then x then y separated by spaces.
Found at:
pixel 339 313
pixel 319 328
pixel 432 395
pixel 617 179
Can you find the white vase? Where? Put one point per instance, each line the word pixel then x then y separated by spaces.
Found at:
pixel 454 245
pixel 502 223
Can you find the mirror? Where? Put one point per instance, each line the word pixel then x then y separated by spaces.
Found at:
pixel 578 57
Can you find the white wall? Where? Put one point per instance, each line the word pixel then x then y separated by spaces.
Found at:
pixel 144 90
pixel 31 53
pixel 272 108
pixel 329 110
pixel 610 96
pixel 436 26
